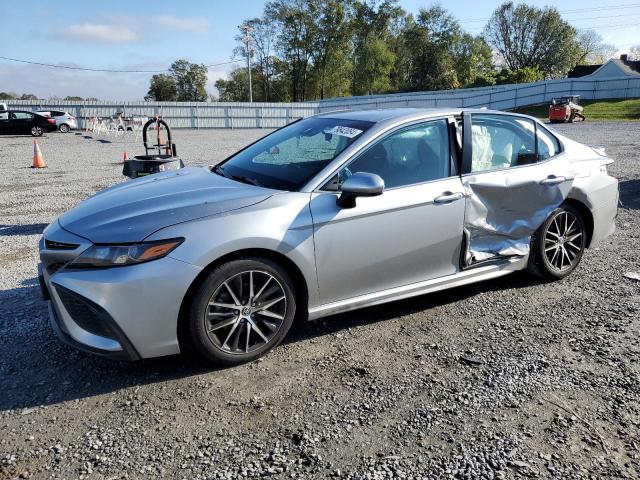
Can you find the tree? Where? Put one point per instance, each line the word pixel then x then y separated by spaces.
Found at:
pixel 331 46
pixel 527 36
pixel 472 61
pixel 28 96
pixel 190 80
pixel 8 96
pixel 73 98
pixel 592 50
pixel 374 67
pixel 233 89
pixel 433 40
pixel 634 53
pixel 372 21
pixel 296 25
pixel 162 89
pixel 522 75
pixel 262 33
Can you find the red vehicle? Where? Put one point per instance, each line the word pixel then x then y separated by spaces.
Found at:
pixel 565 109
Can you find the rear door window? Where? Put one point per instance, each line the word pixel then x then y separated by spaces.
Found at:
pixel 22 115
pixel 502 141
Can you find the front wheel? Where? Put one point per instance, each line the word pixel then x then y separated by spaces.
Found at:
pixel 36 131
pixel 241 311
pixel 558 245
pixel 64 128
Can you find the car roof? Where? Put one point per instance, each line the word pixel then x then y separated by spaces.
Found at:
pixel 401 115
pixel 385 114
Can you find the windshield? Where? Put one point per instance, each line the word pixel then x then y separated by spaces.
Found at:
pixel 291 156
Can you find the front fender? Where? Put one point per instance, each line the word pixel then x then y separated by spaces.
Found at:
pixel 282 224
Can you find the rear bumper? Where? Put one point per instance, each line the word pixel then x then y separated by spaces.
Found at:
pixel 605 200
pixel 72 124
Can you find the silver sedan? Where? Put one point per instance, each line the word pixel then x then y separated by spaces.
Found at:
pixel 328 214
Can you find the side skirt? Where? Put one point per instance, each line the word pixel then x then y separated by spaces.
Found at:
pixel 472 275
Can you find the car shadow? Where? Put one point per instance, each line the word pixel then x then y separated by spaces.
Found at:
pixel 41 370
pixel 400 308
pixel 630 194
pixel 29 229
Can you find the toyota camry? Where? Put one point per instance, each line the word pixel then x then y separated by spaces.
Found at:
pixel 328 214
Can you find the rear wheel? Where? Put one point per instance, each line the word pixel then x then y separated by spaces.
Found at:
pixel 558 245
pixel 36 131
pixel 64 128
pixel 242 310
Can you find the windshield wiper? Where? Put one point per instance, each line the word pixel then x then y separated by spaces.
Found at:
pixel 243 179
pixel 220 171
pixel 238 178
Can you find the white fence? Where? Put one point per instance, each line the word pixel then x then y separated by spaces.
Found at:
pixel 502 97
pixel 273 115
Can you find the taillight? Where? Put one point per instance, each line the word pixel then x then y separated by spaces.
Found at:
pixel 51 121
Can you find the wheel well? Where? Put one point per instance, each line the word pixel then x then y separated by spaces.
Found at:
pixel 299 283
pixel 586 216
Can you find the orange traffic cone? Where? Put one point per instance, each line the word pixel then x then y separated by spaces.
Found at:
pixel 125 157
pixel 38 161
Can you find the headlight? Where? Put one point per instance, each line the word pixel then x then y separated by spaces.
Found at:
pixel 119 255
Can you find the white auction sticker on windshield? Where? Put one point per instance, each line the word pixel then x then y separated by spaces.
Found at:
pixel 344 131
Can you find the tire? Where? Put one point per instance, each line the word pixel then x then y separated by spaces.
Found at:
pixel 232 331
pixel 566 231
pixel 36 131
pixel 64 128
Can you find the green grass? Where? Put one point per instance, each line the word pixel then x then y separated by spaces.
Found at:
pixel 594 109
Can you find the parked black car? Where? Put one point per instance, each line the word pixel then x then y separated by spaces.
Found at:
pixel 20 122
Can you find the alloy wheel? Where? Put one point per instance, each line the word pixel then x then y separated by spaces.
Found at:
pixel 36 131
pixel 245 312
pixel 563 241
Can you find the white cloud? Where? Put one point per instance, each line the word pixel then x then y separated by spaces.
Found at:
pixel 189 24
pixel 53 82
pixel 92 32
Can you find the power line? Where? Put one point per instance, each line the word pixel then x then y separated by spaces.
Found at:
pixel 108 70
pixel 579 10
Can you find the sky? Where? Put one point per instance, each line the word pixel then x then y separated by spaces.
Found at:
pixel 150 35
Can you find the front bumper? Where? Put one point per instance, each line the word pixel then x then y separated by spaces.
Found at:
pixel 127 312
pixel 126 352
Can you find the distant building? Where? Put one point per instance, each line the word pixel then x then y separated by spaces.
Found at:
pixel 615 68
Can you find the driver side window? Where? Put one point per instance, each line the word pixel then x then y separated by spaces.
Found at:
pixel 415 154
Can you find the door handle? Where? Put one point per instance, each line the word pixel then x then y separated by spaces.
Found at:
pixel 448 197
pixel 552 180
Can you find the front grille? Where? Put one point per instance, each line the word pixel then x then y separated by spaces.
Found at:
pixel 54 267
pixel 53 245
pixel 86 314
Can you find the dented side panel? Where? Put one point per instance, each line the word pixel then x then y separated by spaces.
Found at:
pixel 504 208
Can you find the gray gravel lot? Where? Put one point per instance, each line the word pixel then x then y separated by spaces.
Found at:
pixel 510 378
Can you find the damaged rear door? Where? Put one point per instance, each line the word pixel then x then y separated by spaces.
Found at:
pixel 514 175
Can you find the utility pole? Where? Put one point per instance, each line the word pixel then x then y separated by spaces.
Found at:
pixel 246 29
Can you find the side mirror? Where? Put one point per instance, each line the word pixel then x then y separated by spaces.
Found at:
pixel 360 184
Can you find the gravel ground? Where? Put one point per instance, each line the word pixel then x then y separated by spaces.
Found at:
pixel 511 378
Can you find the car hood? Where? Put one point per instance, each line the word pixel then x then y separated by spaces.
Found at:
pixel 133 210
